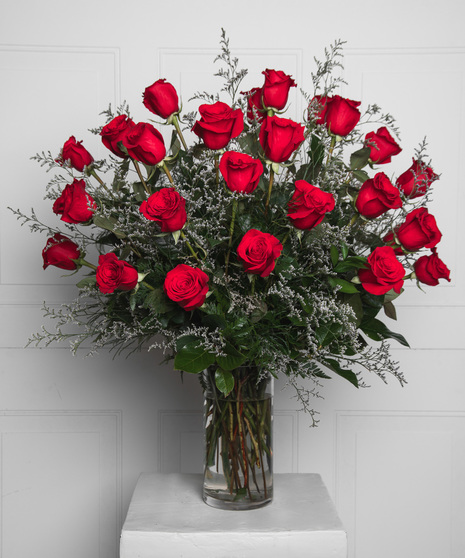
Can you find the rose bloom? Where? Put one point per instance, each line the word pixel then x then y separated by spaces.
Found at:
pixel 376 196
pixel 258 252
pixel 161 98
pixel 114 132
pixel 429 269
pixel 317 108
pixel 280 137
pixel 416 180
pixel 145 144
pixel 113 274
pixel 218 124
pixel 382 146
pixel 187 286
pixel 60 251
pixel 240 171
pixel 340 115
pixel 254 104
pixel 308 205
pixel 76 154
pixel 75 205
pixel 276 89
pixel 419 230
pixel 384 273
pixel 167 208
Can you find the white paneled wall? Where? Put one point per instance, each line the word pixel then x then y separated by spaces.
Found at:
pixel 75 433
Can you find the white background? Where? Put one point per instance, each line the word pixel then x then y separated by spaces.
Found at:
pixel 75 433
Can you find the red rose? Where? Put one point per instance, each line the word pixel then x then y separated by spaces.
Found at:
pixel 114 132
pixel 276 89
pixel 186 285
pixel 60 251
pixel 254 104
pixel 308 205
pixel 75 154
pixel 240 171
pixel 341 115
pixel 115 274
pixel 384 273
pixel 376 196
pixel 415 181
pixel 75 205
pixel 145 144
pixel 167 208
pixel 382 146
pixel 429 269
pixel 258 252
pixel 279 137
pixel 161 98
pixel 419 230
pixel 317 108
pixel 219 123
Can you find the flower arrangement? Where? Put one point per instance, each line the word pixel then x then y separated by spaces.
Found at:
pixel 267 244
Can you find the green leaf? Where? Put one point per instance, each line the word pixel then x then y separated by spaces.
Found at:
pixel 390 310
pixel 214 321
pixel 336 367
pixel 224 381
pixel 259 312
pixel 139 191
pixel 181 342
pixel 87 282
pixel 359 158
pixel 377 330
pixel 156 300
pixel 346 286
pixel 327 333
pixel 355 262
pixel 107 223
pixel 344 250
pixel 361 175
pixel 193 358
pixel 233 358
pixel 334 255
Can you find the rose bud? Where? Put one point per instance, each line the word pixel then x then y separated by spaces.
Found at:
pixel 113 274
pixel 76 155
pixel 318 108
pixel 419 230
pixel 60 251
pixel 240 171
pixel 416 180
pixel 167 208
pixel 144 143
pixel 75 205
pixel 429 269
pixel 114 133
pixel 276 89
pixel 280 137
pixel 308 205
pixel 384 272
pixel 376 196
pixel 382 146
pixel 254 104
pixel 218 124
pixel 258 252
pixel 187 286
pixel 341 115
pixel 161 99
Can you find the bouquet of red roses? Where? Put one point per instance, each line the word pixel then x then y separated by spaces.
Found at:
pixel 260 242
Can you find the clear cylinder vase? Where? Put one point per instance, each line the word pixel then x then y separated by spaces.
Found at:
pixel 238 471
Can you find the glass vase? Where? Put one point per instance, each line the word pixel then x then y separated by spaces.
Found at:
pixel 238 471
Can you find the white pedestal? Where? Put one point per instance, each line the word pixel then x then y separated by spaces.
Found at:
pixel 168 519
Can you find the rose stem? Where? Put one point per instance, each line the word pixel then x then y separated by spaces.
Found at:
pixel 168 174
pixel 178 130
pixel 231 232
pixel 270 186
pixel 331 149
pixel 99 180
pixel 87 264
pixel 184 237
pixel 136 164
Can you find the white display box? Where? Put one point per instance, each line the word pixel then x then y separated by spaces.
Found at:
pixel 168 519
